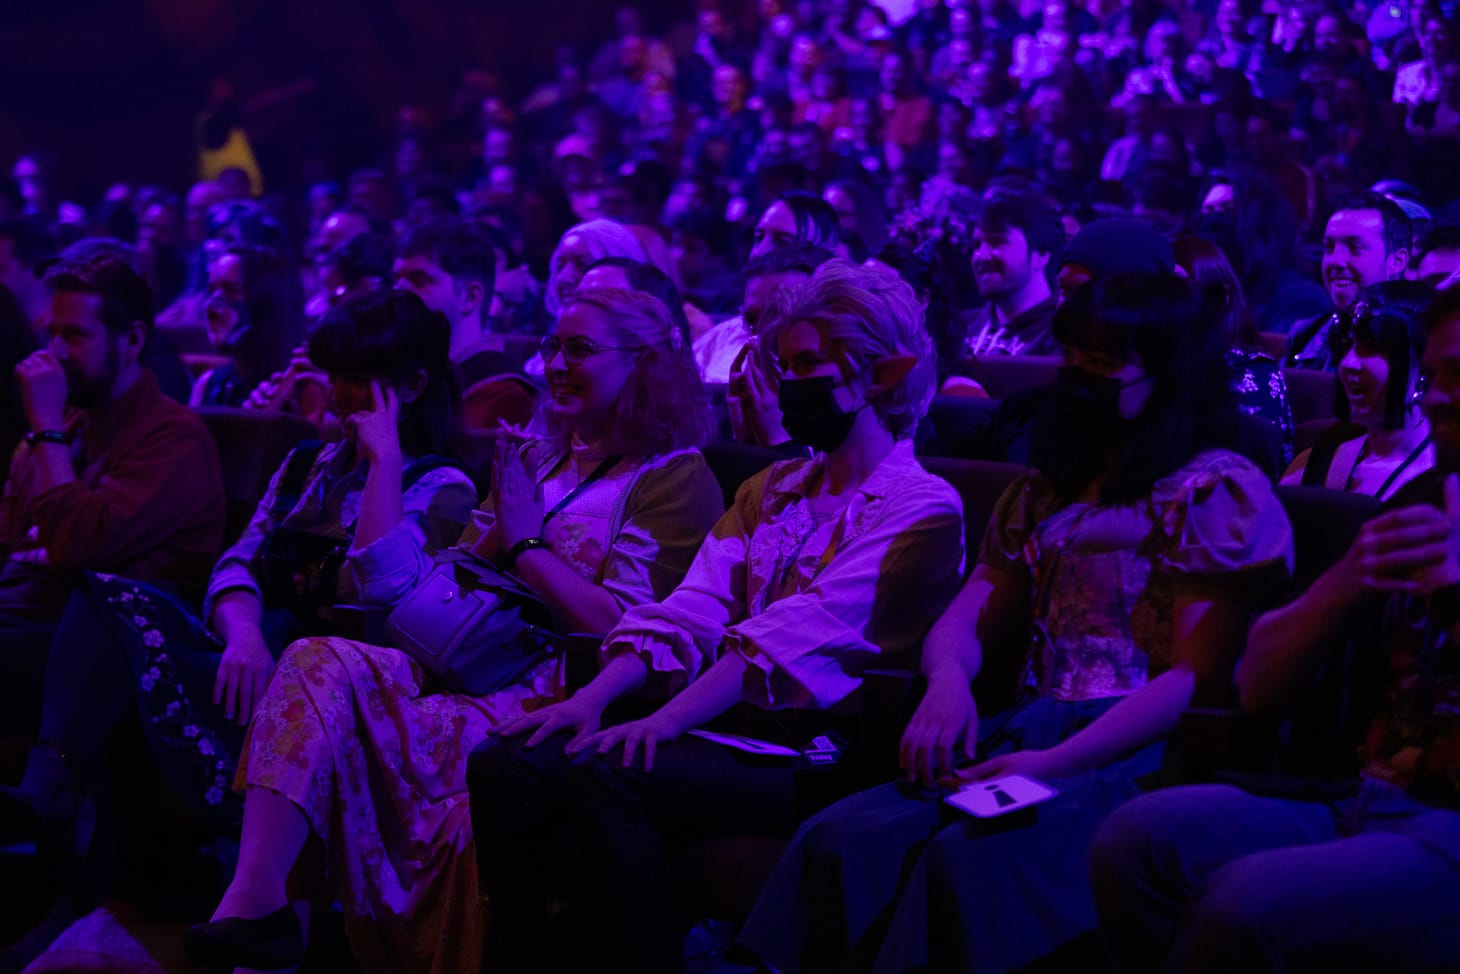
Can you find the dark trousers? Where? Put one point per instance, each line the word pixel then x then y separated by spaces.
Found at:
pixel 125 648
pixel 606 836
pixel 1213 879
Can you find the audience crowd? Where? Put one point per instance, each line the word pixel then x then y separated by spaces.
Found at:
pixel 763 435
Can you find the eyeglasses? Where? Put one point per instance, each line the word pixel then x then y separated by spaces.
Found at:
pixel 1357 327
pixel 575 348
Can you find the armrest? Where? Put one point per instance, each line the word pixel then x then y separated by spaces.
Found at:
pixel 891 693
pixel 889 697
pixel 362 623
pixel 580 655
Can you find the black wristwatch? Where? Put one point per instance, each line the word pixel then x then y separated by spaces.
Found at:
pixel 526 544
pixel 60 437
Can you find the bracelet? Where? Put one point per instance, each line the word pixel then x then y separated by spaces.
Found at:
pixel 526 544
pixel 60 437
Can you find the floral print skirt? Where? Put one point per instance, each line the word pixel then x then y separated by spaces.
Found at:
pixel 375 757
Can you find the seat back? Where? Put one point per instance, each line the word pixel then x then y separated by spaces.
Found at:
pixel 1324 728
pixel 520 348
pixel 734 463
pixel 1310 393
pixel 1325 523
pixel 1310 432
pixel 1003 375
pixel 980 484
pixel 1273 344
pixel 958 424
pixel 252 445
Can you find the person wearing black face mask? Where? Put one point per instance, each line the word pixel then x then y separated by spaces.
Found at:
pixel 255 315
pixel 811 414
pixel 1135 554
pixel 822 567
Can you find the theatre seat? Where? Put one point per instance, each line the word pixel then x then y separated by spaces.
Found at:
pixel 252 445
pixel 734 463
pixel 1317 738
pixel 519 348
pixel 980 484
pixel 958 425
pixel 1310 393
pixel 1003 375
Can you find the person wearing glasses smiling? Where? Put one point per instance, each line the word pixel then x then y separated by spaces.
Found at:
pixel 354 746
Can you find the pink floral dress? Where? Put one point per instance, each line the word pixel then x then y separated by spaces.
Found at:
pixel 375 756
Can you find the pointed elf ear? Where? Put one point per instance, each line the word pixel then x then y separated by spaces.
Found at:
pixel 888 371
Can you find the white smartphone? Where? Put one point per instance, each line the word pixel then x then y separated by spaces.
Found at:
pixel 1000 796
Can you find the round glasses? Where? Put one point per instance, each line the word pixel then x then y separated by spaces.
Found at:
pixel 575 348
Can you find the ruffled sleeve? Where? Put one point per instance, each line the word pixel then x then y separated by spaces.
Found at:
pixel 1024 503
pixel 678 637
pixel 1227 534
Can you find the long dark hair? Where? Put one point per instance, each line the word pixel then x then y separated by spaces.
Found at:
pixel 274 296
pixel 390 335
pixel 1206 266
pixel 1161 322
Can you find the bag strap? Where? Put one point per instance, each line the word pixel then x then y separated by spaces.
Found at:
pixel 599 472
pixel 296 471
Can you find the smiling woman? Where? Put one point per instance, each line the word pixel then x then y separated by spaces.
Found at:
pixel 1385 441
pixel 362 747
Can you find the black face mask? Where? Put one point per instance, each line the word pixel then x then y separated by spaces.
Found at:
pixel 1089 406
pixel 810 414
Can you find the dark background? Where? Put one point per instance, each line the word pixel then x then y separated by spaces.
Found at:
pixel 113 88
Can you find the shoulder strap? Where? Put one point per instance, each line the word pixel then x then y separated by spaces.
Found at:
pixel 599 472
pixel 1315 472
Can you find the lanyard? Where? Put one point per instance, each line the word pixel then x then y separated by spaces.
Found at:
pixel 599 472
pixel 1403 467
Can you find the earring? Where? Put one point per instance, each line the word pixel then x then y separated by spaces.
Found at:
pixel 1416 398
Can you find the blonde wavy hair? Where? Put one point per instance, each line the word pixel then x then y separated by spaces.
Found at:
pixel 663 405
pixel 863 314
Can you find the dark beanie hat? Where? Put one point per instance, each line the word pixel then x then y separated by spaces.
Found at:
pixel 1120 245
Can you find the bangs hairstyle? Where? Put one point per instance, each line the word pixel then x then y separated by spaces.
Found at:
pixel 1161 323
pixel 390 335
pixel 1385 319
pixel 866 313
pixel 663 405
pixel 124 296
pixel 816 221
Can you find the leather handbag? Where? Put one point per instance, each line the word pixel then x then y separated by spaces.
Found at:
pixel 472 626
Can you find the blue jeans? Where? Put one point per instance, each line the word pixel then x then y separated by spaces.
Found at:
pixel 1212 878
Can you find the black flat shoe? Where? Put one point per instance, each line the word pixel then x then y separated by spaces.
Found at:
pixel 268 943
